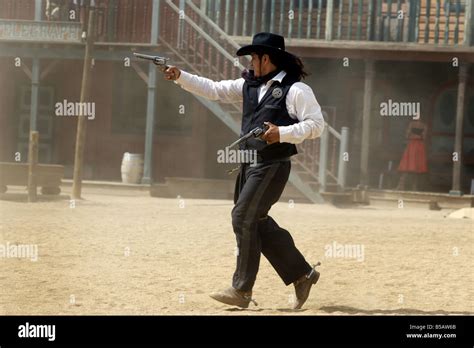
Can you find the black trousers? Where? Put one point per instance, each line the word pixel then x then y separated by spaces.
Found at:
pixel 257 189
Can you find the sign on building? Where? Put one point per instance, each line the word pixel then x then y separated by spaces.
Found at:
pixel 20 30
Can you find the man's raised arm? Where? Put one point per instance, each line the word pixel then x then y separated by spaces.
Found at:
pixel 226 91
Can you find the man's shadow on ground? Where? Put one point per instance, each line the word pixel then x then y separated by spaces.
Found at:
pixel 405 311
pixel 285 310
pixel 353 310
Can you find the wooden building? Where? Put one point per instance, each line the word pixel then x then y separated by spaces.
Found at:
pixel 360 53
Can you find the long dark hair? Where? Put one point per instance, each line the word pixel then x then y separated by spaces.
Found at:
pixel 292 64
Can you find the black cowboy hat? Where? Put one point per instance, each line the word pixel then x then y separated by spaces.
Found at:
pixel 267 43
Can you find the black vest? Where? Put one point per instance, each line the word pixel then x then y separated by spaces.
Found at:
pixel 272 108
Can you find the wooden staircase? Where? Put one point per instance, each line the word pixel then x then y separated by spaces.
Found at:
pixel 199 45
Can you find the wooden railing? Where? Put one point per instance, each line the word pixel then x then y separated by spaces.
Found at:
pixel 443 22
pixel 17 9
pixel 126 21
pixel 199 40
pixel 422 21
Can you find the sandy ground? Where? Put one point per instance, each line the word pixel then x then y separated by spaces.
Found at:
pixel 128 253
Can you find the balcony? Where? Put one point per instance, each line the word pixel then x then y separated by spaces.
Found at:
pixel 447 22
pixel 438 22
pixel 124 21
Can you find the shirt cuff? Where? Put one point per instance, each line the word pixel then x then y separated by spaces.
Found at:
pixel 183 78
pixel 285 133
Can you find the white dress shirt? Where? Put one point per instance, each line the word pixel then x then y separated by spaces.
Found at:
pixel 300 102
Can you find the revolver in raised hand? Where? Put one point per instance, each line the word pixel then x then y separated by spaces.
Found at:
pixel 157 60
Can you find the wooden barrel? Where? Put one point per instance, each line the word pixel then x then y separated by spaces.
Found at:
pixel 132 168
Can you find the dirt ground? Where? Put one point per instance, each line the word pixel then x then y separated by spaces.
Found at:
pixel 123 252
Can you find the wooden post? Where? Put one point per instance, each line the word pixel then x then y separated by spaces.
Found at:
pixel 236 16
pixel 227 14
pixel 32 165
pixel 81 122
pixel 329 19
pixel 151 97
pixel 282 17
pixel 457 165
pixel 468 25
pixel 343 149
pixel 254 18
pixel 359 20
pixel 370 21
pixel 244 15
pixel 38 9
pixel 34 135
pixel 310 15
pixel 323 158
pixel 35 74
pixel 368 92
pixel 272 16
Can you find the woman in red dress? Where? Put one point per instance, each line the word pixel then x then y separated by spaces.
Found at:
pixel 413 161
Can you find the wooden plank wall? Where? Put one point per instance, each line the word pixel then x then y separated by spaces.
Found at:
pixel 17 9
pixel 117 20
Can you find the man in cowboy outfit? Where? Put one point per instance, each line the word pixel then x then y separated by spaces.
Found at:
pixel 273 95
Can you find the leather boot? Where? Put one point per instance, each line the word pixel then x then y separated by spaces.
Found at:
pixel 303 286
pixel 234 297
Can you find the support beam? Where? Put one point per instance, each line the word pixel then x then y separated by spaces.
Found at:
pixel 468 23
pixel 150 111
pixel 329 19
pixel 155 22
pixel 34 95
pixel 461 102
pixel 33 166
pixel 140 72
pixel 85 94
pixel 38 8
pixel 368 92
pixel 150 125
pixel 48 69
pixel 342 166
pixel 27 71
pixel 323 158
